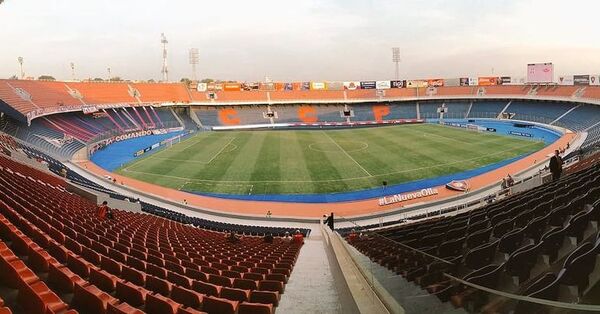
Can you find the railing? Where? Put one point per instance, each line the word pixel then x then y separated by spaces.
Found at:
pixel 419 281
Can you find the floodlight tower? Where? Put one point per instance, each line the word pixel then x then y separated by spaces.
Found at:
pixel 396 60
pixel 20 59
pixel 72 70
pixel 194 58
pixel 165 69
pixel 109 77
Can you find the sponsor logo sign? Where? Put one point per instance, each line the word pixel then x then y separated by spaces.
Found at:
pixel 452 82
pixel 517 133
pixel 383 85
pixel 488 81
pixel 473 81
pixel 435 82
pixel 335 86
pixel 464 81
pixel 416 83
pixel 368 84
pixel 317 85
pixel 565 80
pixel 595 80
pixel 351 85
pixel 398 84
pixel 458 185
pixel 581 79
pixel 202 87
pixel 403 197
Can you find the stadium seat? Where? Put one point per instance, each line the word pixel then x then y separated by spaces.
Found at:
pixel 218 305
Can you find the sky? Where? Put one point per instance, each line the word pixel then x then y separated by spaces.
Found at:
pixel 298 40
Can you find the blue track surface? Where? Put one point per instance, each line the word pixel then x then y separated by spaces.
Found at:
pixel 118 154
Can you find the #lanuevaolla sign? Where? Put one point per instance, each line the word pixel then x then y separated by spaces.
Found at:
pixel 397 198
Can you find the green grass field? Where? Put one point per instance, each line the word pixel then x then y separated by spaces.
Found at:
pixel 321 161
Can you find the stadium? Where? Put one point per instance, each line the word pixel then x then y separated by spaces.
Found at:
pixel 405 195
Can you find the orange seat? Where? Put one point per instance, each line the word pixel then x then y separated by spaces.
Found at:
pixel 157 304
pixel 62 278
pixel 133 275
pixel 122 308
pixel 270 285
pixel 38 298
pixel 158 285
pixel 131 293
pixel 206 288
pixel 103 280
pixel 90 299
pixel 220 280
pixel 187 297
pixel 219 305
pixel 255 308
pixel 265 297
pixel 235 294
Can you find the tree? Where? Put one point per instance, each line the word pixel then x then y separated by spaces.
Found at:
pixel 186 80
pixel 46 78
pixel 207 80
pixel 151 81
pixel 98 79
pixel 116 79
pixel 14 77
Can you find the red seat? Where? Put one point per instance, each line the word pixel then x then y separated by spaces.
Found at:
pixel 39 259
pixel 231 274
pixel 246 284
pixel 73 245
pixel 103 280
pixel 210 270
pixel 278 277
pixel 174 267
pixel 206 288
pixel 270 285
pixel 253 276
pixel 62 278
pixel 156 271
pixel 158 285
pixel 157 304
pixel 187 297
pixel 90 299
pixel 90 255
pixel 131 293
pixel 196 274
pixel 188 310
pixel 240 269
pixel 283 271
pixel 58 251
pixel 179 279
pixel 219 305
pixel 38 298
pixel 133 275
pixel 111 266
pixel 259 270
pixel 220 280
pixel 117 256
pixel 15 273
pixel 219 266
pixel 136 263
pixel 264 297
pixel 235 294
pixel 79 266
pixel 123 308
pixel 255 308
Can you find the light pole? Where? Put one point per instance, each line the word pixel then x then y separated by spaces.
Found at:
pixel 194 58
pixel 20 59
pixel 108 69
pixel 396 60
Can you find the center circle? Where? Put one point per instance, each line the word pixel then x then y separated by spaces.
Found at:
pixel 329 146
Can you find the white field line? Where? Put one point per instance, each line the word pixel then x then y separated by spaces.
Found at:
pixel 221 150
pixel 345 152
pixel 336 180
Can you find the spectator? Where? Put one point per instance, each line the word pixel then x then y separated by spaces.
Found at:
pixel 102 210
pixel 287 238
pixel 109 213
pixel 329 221
pixel 268 238
pixel 232 238
pixel 509 180
pixel 556 164
pixel 352 236
pixel 298 238
pixel 503 184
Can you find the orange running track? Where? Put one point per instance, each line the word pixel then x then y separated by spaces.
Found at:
pixel 317 210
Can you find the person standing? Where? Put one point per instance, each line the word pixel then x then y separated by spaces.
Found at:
pixel 329 221
pixel 556 164
pixel 102 210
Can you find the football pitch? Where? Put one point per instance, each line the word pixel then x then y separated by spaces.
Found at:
pixel 321 161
